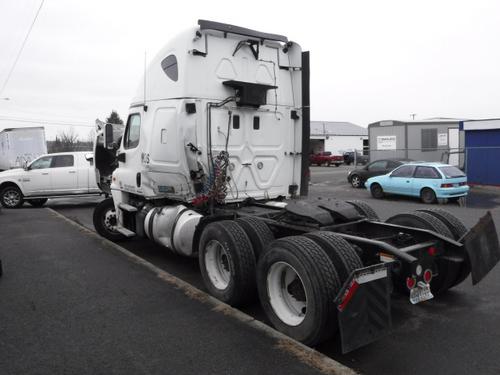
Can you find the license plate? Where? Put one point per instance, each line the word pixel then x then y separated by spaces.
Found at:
pixel 422 292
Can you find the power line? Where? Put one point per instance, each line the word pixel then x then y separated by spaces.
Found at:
pixel 21 50
pixel 46 122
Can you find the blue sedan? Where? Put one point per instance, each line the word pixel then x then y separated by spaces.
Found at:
pixel 429 181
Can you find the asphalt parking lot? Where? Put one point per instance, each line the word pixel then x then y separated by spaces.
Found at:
pixel 457 333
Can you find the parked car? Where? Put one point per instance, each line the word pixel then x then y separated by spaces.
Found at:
pixel 50 176
pixel 429 181
pixel 326 158
pixel 357 177
pixel 349 158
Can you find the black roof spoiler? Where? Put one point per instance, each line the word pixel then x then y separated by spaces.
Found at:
pixel 231 29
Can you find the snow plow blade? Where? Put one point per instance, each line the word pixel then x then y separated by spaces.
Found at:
pixel 364 307
pixel 481 245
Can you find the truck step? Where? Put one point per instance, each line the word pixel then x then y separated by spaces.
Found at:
pixel 125 232
pixel 127 207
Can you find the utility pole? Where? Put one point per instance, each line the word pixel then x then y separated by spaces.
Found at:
pixel 413 115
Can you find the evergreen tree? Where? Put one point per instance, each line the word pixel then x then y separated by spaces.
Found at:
pixel 114 118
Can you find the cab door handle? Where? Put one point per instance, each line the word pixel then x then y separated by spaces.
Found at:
pixel 72 171
pixel 45 173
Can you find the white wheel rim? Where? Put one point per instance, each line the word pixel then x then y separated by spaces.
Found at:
pixel 287 294
pixel 11 198
pixel 110 220
pixel 217 264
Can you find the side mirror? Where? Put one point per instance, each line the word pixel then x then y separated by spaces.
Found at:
pixel 25 166
pixel 108 136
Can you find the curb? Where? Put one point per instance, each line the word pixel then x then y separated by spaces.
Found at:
pixel 303 353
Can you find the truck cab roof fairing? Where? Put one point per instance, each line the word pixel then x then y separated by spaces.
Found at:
pixel 226 28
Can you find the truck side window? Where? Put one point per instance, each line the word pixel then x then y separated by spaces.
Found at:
pixel 133 131
pixel 61 161
pixel 41 163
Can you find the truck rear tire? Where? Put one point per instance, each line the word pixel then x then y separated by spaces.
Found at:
pixel 227 262
pixel 364 209
pixel 11 197
pixel 458 229
pixel 105 221
pixel 37 202
pixel 258 233
pixel 341 253
pixel 447 271
pixel 297 285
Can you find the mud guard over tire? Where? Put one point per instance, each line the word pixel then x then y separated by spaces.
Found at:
pixel 297 285
pixel 227 262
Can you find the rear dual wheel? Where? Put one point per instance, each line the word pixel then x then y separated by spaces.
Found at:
pixel 297 284
pixel 447 271
pixel 227 262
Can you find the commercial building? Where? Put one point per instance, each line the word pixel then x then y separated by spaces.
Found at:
pixel 430 140
pixel 337 137
pixel 482 151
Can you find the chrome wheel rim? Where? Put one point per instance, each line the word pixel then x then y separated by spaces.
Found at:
pixel 12 198
pixel 355 181
pixel 218 265
pixel 287 294
pixel 110 220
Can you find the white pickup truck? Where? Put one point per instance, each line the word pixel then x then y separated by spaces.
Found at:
pixel 50 176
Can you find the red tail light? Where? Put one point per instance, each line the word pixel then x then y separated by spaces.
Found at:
pixel 411 282
pixel 446 185
pixel 432 251
pixel 427 276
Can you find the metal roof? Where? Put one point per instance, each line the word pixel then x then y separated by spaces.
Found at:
pixel 337 128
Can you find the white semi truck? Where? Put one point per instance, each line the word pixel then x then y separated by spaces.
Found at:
pixel 211 164
pixel 19 146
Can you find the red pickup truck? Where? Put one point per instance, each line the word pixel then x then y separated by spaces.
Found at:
pixel 326 158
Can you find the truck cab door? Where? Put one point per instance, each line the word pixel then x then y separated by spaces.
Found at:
pixel 36 180
pixel 63 174
pixel 130 155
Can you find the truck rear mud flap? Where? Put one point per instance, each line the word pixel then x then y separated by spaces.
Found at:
pixel 481 245
pixel 364 307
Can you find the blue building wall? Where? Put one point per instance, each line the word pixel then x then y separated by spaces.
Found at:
pixel 483 156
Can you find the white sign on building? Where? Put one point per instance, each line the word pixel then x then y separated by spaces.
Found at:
pixel 442 139
pixel 386 142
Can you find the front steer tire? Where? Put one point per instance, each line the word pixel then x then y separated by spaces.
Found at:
pixel 227 262
pixel 294 272
pixel 11 197
pixel 104 219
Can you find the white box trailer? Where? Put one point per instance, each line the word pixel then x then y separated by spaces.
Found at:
pixel 21 145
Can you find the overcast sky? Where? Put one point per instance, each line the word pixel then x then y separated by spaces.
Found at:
pixel 370 60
